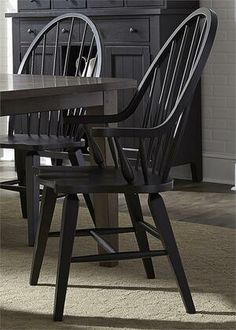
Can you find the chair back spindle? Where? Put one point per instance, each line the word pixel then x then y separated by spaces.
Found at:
pixel 169 84
pixel 58 50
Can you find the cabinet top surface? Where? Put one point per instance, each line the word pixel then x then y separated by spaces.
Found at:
pixel 42 8
pixel 102 12
pixel 23 86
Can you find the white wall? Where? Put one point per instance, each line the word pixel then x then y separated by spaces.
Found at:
pixel 6 56
pixel 6 35
pixel 219 97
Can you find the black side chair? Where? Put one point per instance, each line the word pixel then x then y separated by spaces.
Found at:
pixel 69 45
pixel 169 85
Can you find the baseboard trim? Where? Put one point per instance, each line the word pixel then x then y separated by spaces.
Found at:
pixel 219 156
pixel 216 169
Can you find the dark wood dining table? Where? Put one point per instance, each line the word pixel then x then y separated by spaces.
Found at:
pixel 21 94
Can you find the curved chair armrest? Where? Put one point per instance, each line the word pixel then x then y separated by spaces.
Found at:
pixel 152 132
pixel 106 119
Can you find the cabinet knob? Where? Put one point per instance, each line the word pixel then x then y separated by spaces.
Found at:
pixel 63 30
pixel 132 30
pixel 31 31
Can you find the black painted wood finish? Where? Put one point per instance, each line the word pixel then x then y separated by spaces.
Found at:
pixel 181 60
pixel 133 32
pixel 46 55
pixel 46 130
pixel 28 93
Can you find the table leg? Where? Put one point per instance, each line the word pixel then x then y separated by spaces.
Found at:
pixel 106 211
pixel 32 194
pixel 106 205
pixel 20 170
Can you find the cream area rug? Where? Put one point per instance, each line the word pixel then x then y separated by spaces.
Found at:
pixel 119 297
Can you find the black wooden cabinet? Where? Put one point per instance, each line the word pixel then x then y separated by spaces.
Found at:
pixel 133 32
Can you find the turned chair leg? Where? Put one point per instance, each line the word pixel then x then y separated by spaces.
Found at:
pixel 77 159
pixel 68 228
pixel 46 214
pixel 32 195
pixel 136 215
pixel 162 222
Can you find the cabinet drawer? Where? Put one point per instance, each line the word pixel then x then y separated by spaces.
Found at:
pixel 146 3
pixel 124 30
pixel 68 4
pixel 30 28
pixel 33 4
pixel 105 3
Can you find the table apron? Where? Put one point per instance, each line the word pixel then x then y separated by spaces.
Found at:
pixel 46 103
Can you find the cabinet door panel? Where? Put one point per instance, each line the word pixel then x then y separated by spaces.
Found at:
pixel 33 5
pixel 162 3
pixel 128 62
pixel 132 30
pixel 122 31
pixel 146 3
pixel 29 28
pixel 104 3
pixel 182 4
pixel 38 58
pixel 69 4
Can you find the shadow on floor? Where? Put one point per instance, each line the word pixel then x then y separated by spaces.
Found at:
pixel 17 320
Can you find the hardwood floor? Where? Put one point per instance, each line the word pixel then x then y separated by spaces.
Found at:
pixel 204 203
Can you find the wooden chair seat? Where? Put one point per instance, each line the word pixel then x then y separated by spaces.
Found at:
pixel 93 179
pixel 39 142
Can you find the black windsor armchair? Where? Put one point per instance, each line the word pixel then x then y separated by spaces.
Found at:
pixel 169 85
pixel 68 45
